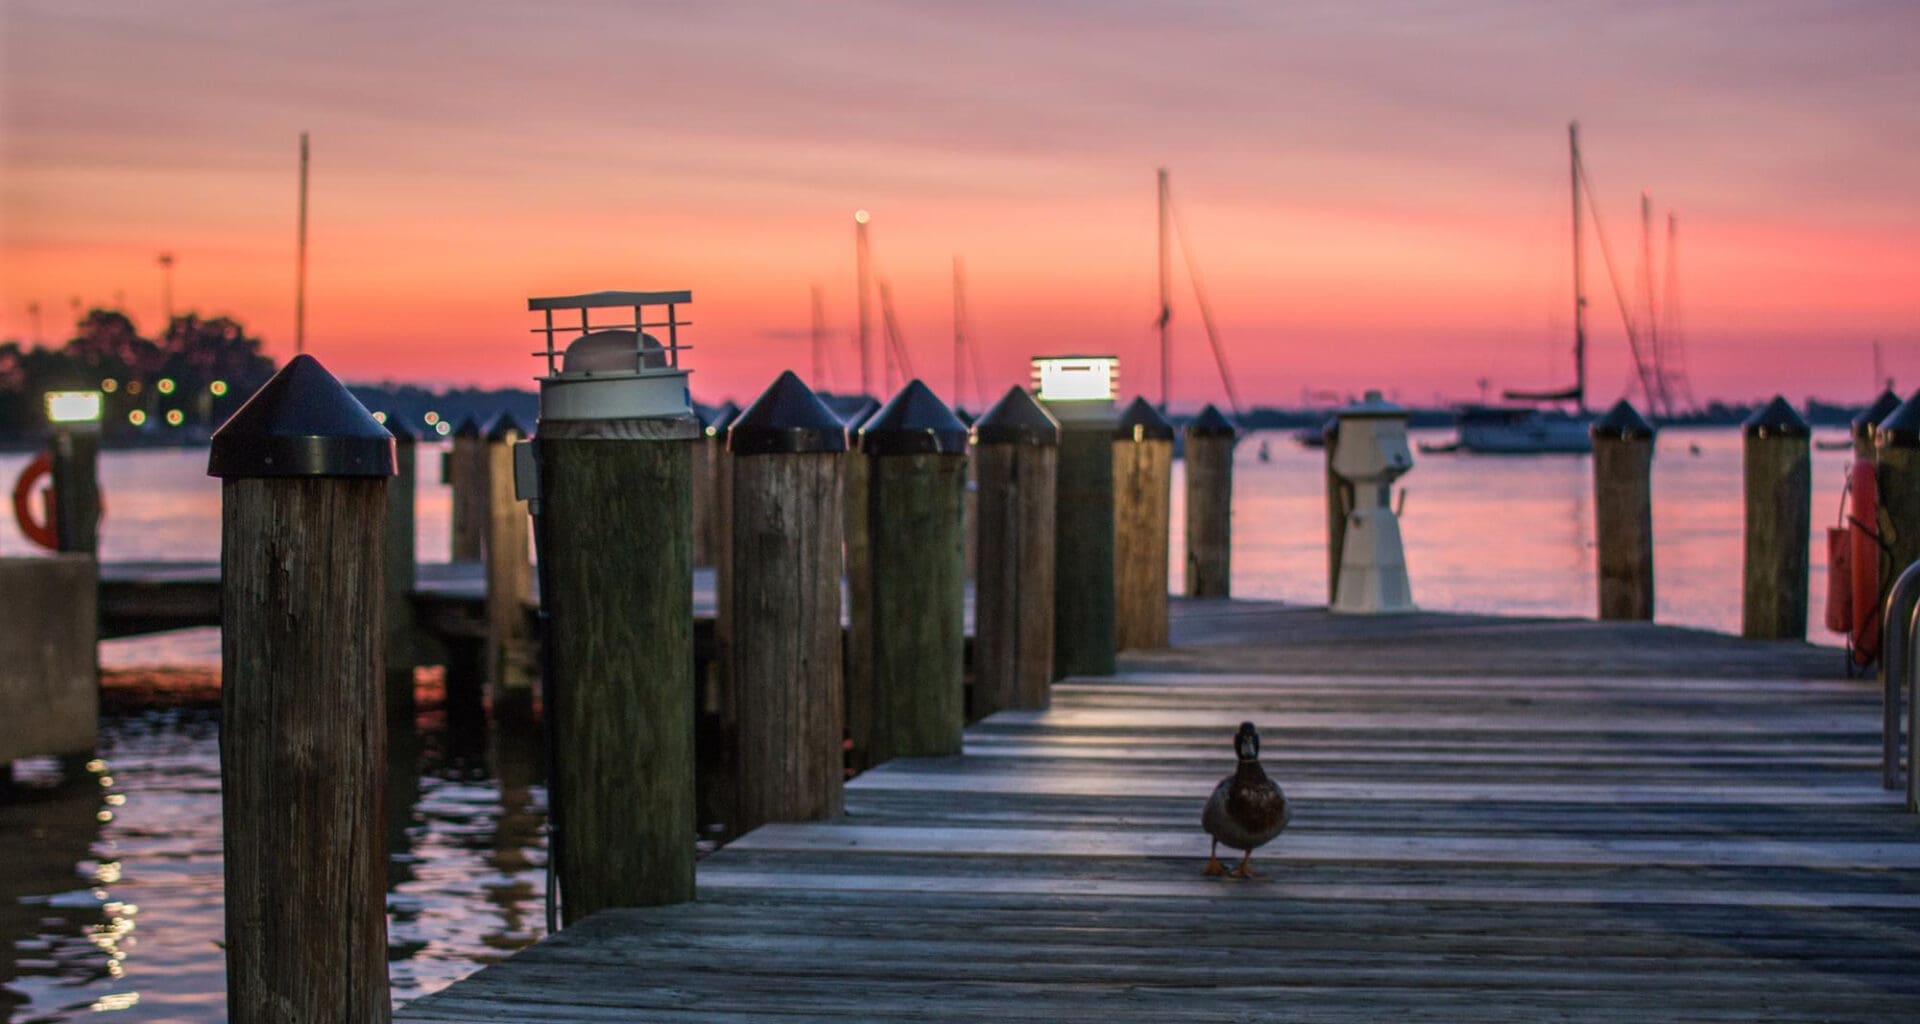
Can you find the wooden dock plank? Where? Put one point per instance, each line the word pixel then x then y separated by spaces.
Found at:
pixel 1521 847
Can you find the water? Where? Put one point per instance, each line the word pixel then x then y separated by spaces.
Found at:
pixel 110 889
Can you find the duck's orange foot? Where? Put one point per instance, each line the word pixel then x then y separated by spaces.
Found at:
pixel 1245 868
pixel 1214 867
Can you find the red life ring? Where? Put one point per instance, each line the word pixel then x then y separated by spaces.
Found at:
pixel 38 532
pixel 41 533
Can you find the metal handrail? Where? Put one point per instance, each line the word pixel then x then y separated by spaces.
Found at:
pixel 1897 629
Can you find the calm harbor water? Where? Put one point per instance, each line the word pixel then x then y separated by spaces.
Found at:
pixel 110 889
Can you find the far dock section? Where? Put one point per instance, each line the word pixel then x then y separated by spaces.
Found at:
pixel 1495 819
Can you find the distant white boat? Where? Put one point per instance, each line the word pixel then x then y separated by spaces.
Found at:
pixel 1522 430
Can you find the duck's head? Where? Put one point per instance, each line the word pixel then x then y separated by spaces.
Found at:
pixel 1246 742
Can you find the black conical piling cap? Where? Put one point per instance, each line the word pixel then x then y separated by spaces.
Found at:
pixel 1863 425
pixel 861 413
pixel 402 431
pixel 787 418
pixel 916 422
pixel 722 417
pixel 964 416
pixel 1775 419
pixel 468 427
pixel 1210 423
pixel 1017 418
pixel 302 422
pixel 1901 428
pixel 503 425
pixel 1142 422
pixel 1621 423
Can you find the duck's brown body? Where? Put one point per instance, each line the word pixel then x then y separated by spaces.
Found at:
pixel 1247 809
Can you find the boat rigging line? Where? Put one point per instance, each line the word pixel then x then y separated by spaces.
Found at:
pixel 1170 217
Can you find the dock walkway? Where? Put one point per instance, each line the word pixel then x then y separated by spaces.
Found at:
pixel 1494 819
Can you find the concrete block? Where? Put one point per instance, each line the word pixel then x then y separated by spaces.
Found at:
pixel 49 664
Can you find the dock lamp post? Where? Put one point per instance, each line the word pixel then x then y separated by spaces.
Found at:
pixel 1078 391
pixel 75 516
pixel 608 479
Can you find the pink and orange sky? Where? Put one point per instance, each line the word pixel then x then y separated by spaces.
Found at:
pixel 1376 193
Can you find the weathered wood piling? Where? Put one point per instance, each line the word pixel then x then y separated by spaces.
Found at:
pixel 304 470
pixel 859 569
pixel 917 468
pixel 511 668
pixel 1083 618
pixel 1623 512
pixel 1897 448
pixel 465 472
pixel 617 580
pixel 1142 523
pixel 402 632
pixel 1863 426
pixel 1016 454
pixel 1339 503
pixel 1779 521
pixel 784 661
pixel 1210 440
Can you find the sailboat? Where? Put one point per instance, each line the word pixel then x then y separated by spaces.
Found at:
pixel 1531 429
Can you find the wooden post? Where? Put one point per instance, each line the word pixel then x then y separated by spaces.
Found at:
pixel 511 668
pixel 401 634
pixel 1339 503
pixel 1779 520
pixel 1083 604
pixel 1896 448
pixel 917 468
pixel 1210 438
pixel 466 474
pixel 784 673
pixel 1142 524
pixel 1623 512
pixel 707 458
pixel 1016 455
pixel 616 552
pixel 75 476
pixel 304 470
pixel 970 501
pixel 859 562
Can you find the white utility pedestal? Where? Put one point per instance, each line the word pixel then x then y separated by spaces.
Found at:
pixel 1372 454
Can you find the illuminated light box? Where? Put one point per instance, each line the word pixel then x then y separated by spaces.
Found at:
pixel 73 407
pixel 1076 378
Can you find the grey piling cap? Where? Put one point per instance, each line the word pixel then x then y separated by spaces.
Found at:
pixel 503 425
pixel 1863 425
pixel 788 418
pixel 1142 422
pixel 1210 423
pixel 1773 420
pixel 1901 428
pixel 722 417
pixel 468 427
pixel 915 422
pixel 301 423
pixel 1017 418
pixel 1621 423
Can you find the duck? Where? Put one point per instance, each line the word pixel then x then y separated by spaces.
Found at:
pixel 1247 808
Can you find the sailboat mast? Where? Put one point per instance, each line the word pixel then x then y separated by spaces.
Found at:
pixel 860 274
pixel 1166 312
pixel 1579 285
pixel 300 266
pixel 959 329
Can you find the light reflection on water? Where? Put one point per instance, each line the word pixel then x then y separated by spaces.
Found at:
pixel 116 907
pixel 115 903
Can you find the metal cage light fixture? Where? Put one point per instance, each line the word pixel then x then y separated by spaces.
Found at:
pixel 612 370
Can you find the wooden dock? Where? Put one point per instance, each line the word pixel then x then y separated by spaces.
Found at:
pixel 1495 819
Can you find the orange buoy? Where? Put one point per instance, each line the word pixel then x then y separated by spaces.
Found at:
pixel 1840 579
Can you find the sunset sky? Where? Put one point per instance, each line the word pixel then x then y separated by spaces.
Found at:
pixel 1376 193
